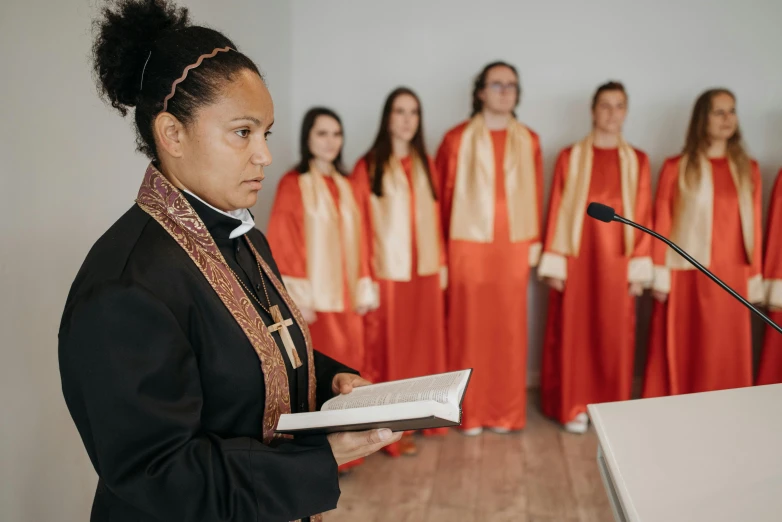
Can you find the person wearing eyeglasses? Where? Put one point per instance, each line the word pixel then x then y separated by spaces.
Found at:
pixel 491 199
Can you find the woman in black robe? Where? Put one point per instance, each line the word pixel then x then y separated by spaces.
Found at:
pixel 179 346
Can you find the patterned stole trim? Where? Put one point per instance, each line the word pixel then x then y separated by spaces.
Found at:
pixel 163 202
pixel 302 324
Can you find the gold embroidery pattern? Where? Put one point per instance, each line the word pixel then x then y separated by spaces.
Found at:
pixel 161 200
pixel 299 321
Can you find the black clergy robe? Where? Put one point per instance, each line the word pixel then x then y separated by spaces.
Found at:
pixel 168 393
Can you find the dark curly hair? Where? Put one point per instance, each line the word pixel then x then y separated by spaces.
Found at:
pixel 153 40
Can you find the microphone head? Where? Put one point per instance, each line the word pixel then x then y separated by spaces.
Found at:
pixel 601 212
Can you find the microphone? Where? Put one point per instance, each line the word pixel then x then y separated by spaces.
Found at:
pixel 601 212
pixel 607 214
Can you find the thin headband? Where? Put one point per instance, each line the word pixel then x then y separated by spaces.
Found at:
pixel 193 66
pixel 184 73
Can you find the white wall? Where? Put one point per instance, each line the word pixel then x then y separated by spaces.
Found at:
pixel 68 171
pixel 350 55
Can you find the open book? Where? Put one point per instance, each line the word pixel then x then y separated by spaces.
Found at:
pixel 433 401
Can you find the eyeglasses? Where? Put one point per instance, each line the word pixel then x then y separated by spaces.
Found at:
pixel 501 87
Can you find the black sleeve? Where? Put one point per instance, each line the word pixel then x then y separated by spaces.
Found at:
pixel 325 370
pixel 132 385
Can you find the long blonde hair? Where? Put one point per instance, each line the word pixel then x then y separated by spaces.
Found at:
pixel 698 141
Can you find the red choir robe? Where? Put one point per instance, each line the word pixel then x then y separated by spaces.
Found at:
pixel 701 337
pixel 405 336
pixel 315 233
pixel 770 371
pixel 491 199
pixel 589 345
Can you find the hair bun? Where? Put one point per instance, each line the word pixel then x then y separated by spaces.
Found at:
pixel 127 31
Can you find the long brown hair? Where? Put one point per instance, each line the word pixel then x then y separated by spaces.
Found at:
pixel 304 140
pixel 381 150
pixel 698 139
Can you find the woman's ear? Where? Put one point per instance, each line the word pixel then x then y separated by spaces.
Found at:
pixel 169 134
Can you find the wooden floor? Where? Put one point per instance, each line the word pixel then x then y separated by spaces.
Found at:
pixel 539 474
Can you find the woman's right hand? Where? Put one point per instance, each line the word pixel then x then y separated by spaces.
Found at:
pixel 556 284
pixel 349 446
pixel 659 296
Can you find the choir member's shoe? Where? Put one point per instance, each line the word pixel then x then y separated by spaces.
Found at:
pixel 500 430
pixel 407 446
pixel 473 432
pixel 578 425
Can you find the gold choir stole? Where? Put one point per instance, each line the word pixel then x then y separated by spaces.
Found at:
pixel 692 224
pixel 572 210
pixel 391 218
pixel 333 241
pixel 472 215
pixel 163 202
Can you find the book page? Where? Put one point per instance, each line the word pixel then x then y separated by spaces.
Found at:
pixel 430 388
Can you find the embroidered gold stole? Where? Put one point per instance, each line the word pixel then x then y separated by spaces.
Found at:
pixel 163 202
pixel 472 217
pixel 393 257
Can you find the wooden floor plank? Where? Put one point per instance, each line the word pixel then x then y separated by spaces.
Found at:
pixel 591 498
pixel 541 474
pixel 580 446
pixel 501 483
pixel 450 514
pixel 353 511
pixel 456 481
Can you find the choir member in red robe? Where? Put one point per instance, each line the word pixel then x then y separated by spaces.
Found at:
pixel 315 234
pixel 491 200
pixel 595 270
pixel 771 362
pixel 395 183
pixel 709 203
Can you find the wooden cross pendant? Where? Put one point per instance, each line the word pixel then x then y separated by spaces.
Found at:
pixel 282 325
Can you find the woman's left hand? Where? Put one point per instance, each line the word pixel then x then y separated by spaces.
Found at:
pixel 345 382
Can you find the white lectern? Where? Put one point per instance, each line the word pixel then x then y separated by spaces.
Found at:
pixel 711 457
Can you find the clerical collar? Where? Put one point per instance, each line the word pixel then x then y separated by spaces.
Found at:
pixel 238 222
